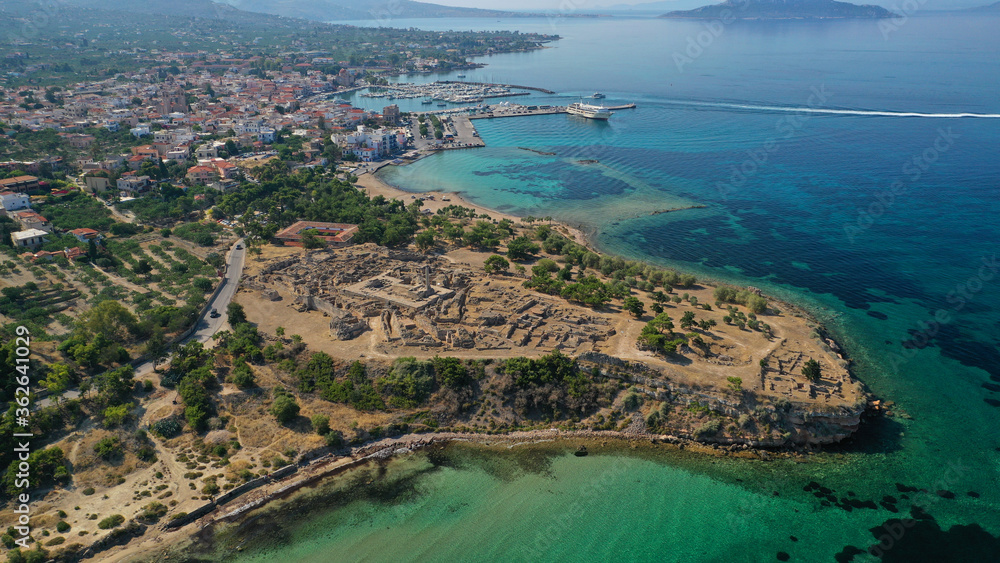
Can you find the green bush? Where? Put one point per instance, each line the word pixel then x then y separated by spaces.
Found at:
pixel 709 428
pixel 112 521
pixel 166 428
pixel 285 409
pixel 108 447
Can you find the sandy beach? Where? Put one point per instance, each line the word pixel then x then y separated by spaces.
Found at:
pixel 373 186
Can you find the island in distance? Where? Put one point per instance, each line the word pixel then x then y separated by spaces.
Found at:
pixel 782 9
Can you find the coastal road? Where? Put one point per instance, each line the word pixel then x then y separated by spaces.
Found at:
pixel 206 325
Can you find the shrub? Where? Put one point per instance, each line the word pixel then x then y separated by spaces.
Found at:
pixel 62 527
pixel 284 408
pixel 166 428
pixel 321 424
pixel 88 491
pixel 710 428
pixel 152 512
pixel 632 401
pixel 811 370
pixel 108 447
pixel 112 521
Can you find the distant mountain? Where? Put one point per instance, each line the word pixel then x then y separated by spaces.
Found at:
pixel 185 8
pixel 658 7
pixel 993 8
pixel 381 10
pixel 782 9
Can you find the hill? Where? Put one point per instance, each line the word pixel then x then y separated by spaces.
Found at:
pixel 782 9
pixel 206 9
pixel 381 10
pixel 993 8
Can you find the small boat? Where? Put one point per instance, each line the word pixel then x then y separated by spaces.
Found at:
pixel 581 451
pixel 427 102
pixel 442 105
pixel 598 96
pixel 460 76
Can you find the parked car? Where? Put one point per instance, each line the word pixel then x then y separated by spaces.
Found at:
pixel 214 314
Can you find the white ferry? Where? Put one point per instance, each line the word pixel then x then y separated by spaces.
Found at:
pixel 588 111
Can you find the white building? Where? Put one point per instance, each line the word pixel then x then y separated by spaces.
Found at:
pixel 13 201
pixel 132 183
pixel 372 144
pixel 31 238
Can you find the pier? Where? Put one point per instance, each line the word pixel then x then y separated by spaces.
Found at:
pixel 517 111
pixel 493 85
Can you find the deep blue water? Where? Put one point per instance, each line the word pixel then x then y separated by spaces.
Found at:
pixel 835 172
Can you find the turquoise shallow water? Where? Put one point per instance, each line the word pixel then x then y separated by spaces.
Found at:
pixel 810 216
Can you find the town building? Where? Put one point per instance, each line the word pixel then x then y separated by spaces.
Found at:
pixel 13 201
pixel 19 184
pixel 29 219
pixel 31 238
pixel 132 183
pixel 85 235
pixel 335 235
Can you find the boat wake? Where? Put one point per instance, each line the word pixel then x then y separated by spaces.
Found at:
pixel 831 111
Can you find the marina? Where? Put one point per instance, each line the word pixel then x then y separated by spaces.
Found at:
pixel 446 91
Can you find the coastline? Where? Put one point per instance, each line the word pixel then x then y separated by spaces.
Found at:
pixel 169 542
pixel 321 465
pixel 375 186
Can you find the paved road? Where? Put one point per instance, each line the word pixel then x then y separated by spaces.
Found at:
pixel 207 326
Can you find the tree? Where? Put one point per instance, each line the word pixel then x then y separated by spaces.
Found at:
pixel 310 239
pixel 142 267
pixel 735 383
pixel 58 380
pixel 425 240
pixel 285 409
pixel 811 370
pixel 235 314
pixel 687 321
pixel 496 264
pixel 521 248
pixel 156 347
pixel 280 332
pixel 634 305
pixel 321 424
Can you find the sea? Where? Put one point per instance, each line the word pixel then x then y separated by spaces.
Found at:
pixel 851 167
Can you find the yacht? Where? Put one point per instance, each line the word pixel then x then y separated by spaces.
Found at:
pixel 588 111
pixel 427 102
pixel 598 96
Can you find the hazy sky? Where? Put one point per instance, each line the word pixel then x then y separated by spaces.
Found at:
pixel 563 5
pixel 553 5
